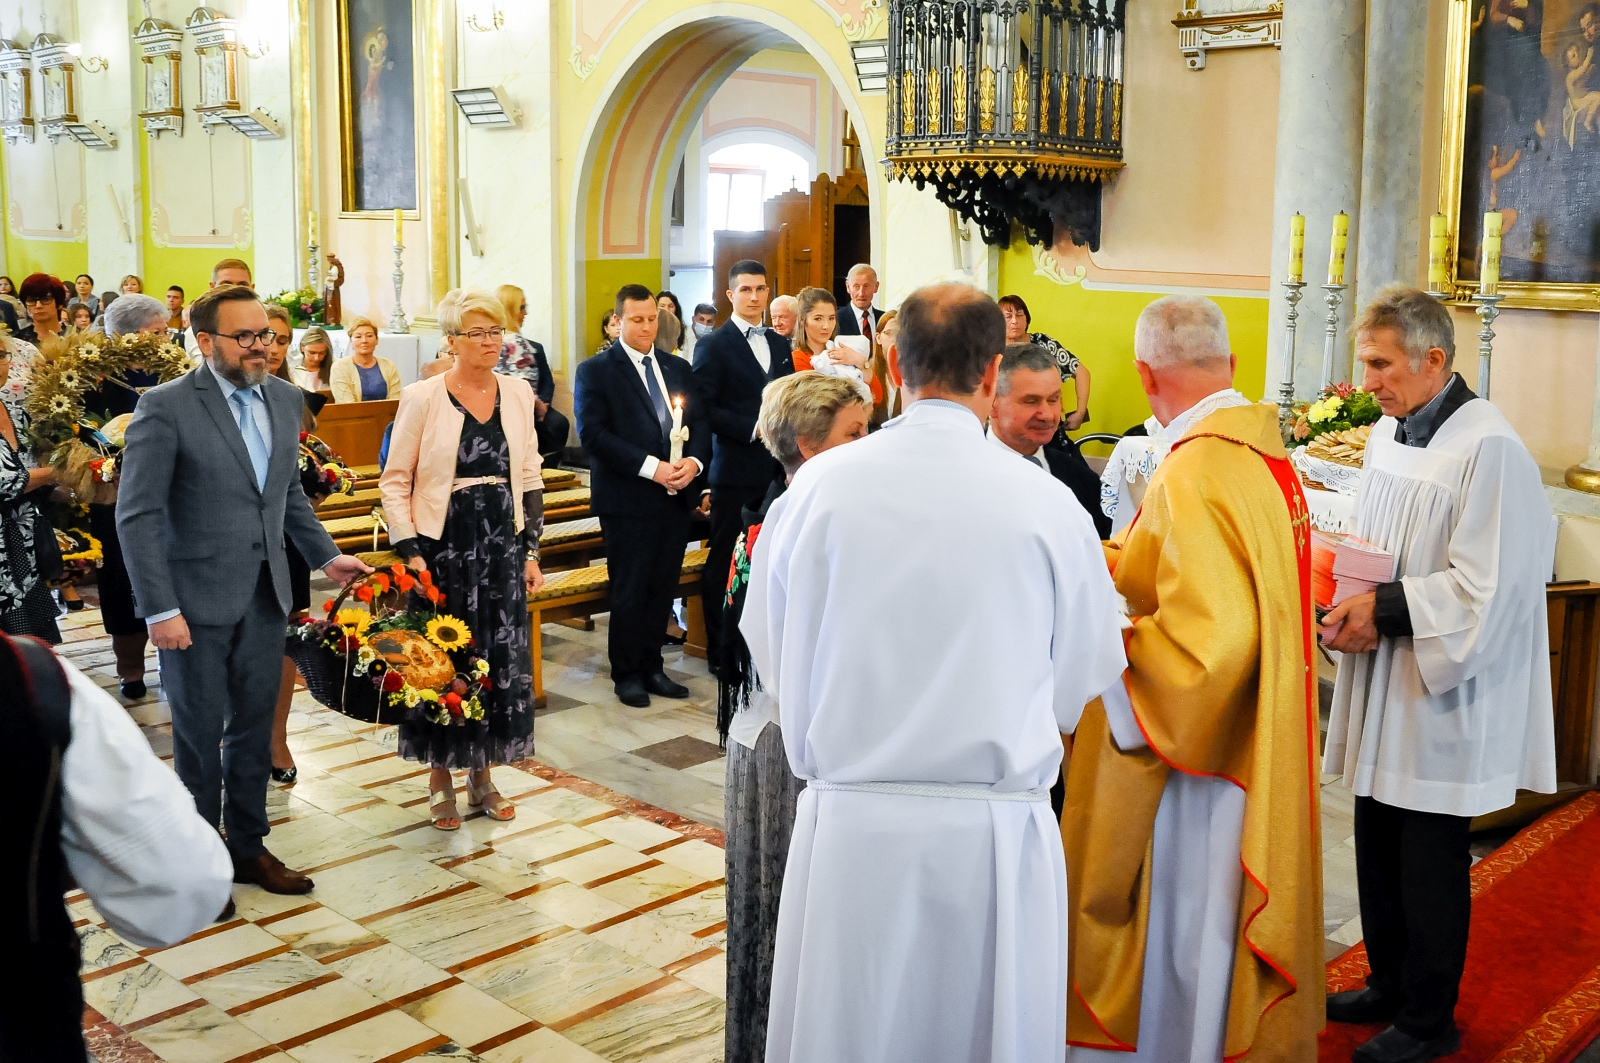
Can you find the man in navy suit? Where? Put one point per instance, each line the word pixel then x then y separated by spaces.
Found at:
pixel 733 366
pixel 860 317
pixel 623 399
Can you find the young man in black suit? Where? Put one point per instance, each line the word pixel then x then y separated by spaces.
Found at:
pixel 859 317
pixel 732 366
pixel 624 398
pixel 1026 417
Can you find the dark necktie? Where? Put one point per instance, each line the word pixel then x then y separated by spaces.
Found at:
pixel 866 325
pixel 658 400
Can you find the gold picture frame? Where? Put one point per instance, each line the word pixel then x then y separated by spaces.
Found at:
pixel 352 197
pixel 1466 101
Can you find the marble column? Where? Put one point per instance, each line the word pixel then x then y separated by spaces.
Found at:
pixel 279 257
pixel 1318 171
pixel 1393 216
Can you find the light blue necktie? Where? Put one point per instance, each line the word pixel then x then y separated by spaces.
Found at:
pixel 252 436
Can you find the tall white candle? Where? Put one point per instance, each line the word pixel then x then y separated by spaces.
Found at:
pixel 678 434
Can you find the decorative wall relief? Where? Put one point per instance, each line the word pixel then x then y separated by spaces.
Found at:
pixel 378 104
pixel 1207 25
pixel 161 45
pixel 16 92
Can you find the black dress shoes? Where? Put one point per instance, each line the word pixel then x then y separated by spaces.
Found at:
pixel 661 686
pixel 133 689
pixel 632 692
pixel 1362 1005
pixel 227 913
pixel 1394 1045
pixel 285 776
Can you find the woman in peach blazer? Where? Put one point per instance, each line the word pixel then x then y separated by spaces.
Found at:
pixel 464 500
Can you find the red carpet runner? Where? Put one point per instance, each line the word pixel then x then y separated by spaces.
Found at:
pixel 1531 991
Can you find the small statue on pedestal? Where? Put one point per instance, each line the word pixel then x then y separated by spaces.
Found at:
pixel 332 311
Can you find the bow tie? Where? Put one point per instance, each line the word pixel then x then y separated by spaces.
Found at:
pixel 756 330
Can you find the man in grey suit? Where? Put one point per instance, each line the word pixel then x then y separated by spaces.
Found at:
pixel 210 486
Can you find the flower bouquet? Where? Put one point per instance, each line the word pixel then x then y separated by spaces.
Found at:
pixel 382 659
pixel 1340 408
pixel 85 448
pixel 322 472
pixel 305 306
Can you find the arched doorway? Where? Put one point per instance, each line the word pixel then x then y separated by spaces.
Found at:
pixel 635 142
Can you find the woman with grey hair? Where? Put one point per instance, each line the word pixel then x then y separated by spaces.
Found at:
pixel 117 395
pixel 801 416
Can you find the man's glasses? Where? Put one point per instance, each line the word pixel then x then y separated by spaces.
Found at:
pixel 478 335
pixel 247 339
pixel 37 302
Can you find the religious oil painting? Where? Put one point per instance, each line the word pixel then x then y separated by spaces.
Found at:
pixel 377 72
pixel 1523 138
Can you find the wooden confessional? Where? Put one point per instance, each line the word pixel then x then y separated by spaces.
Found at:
pixel 810 240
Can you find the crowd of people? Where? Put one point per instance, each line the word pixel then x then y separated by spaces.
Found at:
pixel 898 530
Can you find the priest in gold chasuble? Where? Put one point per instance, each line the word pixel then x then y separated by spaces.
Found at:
pixel 1191 826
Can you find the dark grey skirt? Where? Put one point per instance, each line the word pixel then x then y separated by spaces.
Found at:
pixel 758 805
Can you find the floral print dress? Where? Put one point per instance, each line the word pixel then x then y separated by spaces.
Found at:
pixel 26 607
pixel 478 564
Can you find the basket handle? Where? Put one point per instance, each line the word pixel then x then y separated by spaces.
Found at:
pixel 349 588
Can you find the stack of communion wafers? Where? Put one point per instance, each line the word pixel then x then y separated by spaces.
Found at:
pixel 1342 448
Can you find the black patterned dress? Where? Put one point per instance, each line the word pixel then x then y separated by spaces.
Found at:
pixel 26 607
pixel 479 566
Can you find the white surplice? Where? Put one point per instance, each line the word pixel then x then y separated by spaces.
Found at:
pixel 927 609
pixel 1457 717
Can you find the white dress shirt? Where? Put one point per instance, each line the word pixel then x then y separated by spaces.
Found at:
pixel 1035 457
pixel 648 469
pixel 129 831
pixel 865 322
pixel 757 341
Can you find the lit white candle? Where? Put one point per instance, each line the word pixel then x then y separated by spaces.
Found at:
pixel 678 433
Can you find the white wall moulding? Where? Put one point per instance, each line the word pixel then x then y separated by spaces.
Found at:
pixel 16 92
pixel 161 48
pixel 1211 25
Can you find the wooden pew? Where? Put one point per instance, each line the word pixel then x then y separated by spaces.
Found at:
pixel 584 592
pixel 354 430
pixel 554 479
pixel 355 532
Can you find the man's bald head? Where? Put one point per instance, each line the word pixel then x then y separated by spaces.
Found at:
pixel 1180 331
pixel 949 335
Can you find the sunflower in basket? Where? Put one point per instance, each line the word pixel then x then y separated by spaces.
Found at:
pixel 419 661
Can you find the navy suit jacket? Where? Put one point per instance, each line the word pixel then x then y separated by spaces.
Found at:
pixel 849 326
pixel 617 427
pixel 731 382
pixel 1067 465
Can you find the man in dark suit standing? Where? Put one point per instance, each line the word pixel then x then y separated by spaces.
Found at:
pixel 624 400
pixel 1025 419
pixel 733 366
pixel 860 317
pixel 210 486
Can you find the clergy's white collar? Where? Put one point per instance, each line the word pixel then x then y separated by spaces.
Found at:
pixel 997 441
pixel 942 410
pixel 1217 400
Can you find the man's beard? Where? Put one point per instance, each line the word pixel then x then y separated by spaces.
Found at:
pixel 237 375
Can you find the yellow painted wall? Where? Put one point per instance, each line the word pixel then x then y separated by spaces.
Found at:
pixel 187 267
pixel 1097 326
pixel 602 279
pixel 61 258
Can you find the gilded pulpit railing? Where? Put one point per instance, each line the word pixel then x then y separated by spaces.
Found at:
pixel 987 91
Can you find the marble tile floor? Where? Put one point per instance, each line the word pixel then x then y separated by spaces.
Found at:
pixel 588 928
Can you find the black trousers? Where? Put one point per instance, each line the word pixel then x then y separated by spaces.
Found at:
pixel 553 431
pixel 727 521
pixel 645 556
pixel 1416 903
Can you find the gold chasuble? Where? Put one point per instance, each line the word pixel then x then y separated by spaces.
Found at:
pixel 1216 571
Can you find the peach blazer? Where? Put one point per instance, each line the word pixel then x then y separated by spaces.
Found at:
pixel 416 482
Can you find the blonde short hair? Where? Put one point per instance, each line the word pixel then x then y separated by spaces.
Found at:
pixel 802 406
pixel 511 299
pixel 457 304
pixel 361 322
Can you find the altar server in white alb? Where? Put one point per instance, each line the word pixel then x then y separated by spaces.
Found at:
pixel 1442 708
pixel 930 614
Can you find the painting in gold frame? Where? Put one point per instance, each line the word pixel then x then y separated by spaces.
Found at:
pixel 1522 136
pixel 378 110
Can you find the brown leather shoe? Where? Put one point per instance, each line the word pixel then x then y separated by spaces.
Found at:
pixel 268 872
pixel 227 913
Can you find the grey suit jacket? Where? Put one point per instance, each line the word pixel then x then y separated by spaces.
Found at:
pixel 193 526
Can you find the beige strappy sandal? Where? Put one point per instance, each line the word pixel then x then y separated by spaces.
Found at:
pixel 501 811
pixel 442 810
